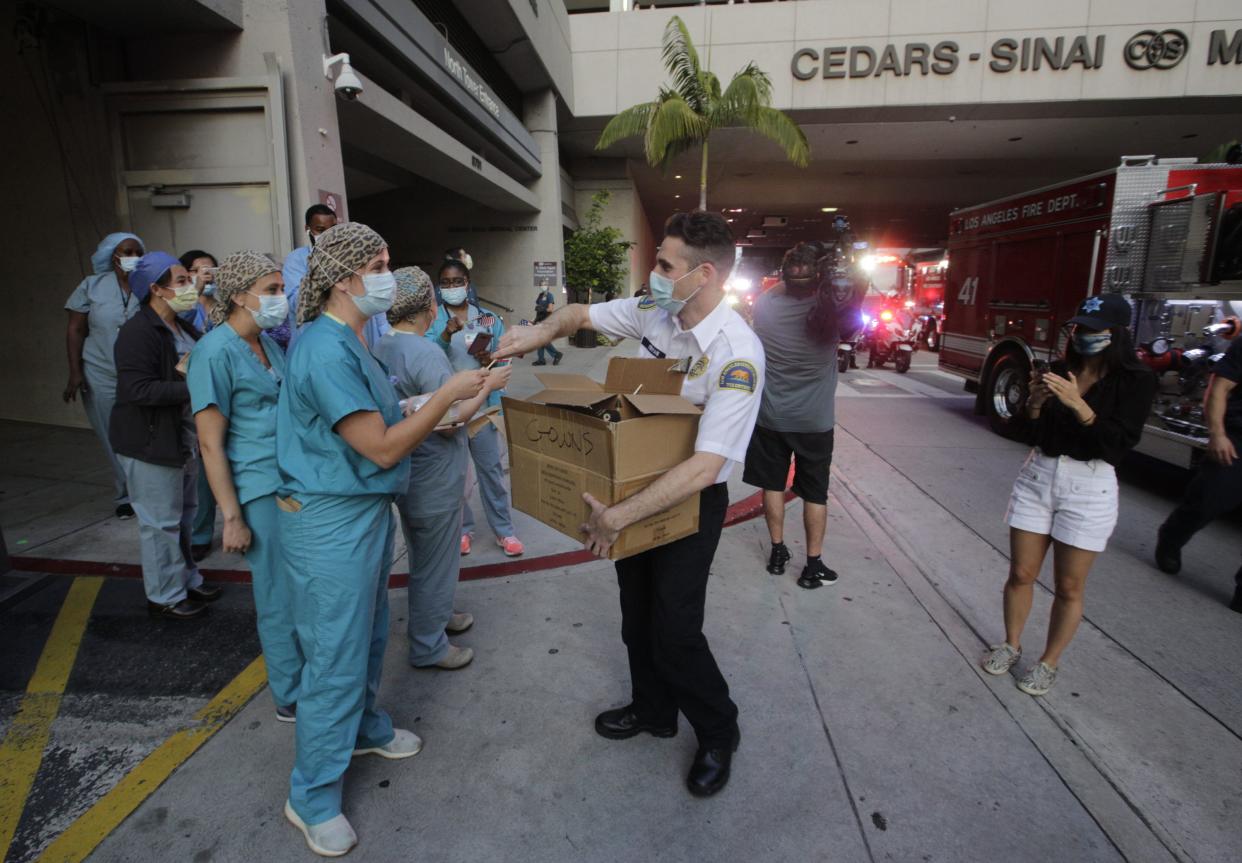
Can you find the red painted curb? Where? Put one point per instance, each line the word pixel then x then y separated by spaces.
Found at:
pixel 743 510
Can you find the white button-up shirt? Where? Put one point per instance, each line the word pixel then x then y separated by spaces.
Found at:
pixel 726 367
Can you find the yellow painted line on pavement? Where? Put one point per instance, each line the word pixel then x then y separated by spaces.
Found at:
pixel 21 751
pixel 94 825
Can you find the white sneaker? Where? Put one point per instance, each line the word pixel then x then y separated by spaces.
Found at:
pixel 459 622
pixel 404 744
pixel 1038 680
pixel 1000 659
pixel 333 838
pixel 457 657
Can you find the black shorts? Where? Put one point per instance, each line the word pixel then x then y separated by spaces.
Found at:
pixel 767 462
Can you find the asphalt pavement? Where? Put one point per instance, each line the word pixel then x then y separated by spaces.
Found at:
pixel 868 731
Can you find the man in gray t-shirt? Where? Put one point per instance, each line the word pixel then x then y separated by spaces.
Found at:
pixel 796 415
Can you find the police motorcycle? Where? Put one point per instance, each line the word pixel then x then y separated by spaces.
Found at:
pixel 888 338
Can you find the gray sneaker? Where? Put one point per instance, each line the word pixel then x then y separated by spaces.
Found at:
pixel 1038 680
pixel 1000 659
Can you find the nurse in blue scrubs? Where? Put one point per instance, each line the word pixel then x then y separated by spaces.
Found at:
pixel 97 308
pixel 234 377
pixel 342 448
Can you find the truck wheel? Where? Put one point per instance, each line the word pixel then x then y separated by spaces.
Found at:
pixel 843 363
pixel 1005 397
pixel 933 341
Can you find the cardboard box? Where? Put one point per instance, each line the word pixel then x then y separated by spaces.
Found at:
pixel 560 447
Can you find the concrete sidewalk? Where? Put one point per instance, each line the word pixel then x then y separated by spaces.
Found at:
pixel 867 735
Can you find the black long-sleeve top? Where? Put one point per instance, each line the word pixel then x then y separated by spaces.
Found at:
pixel 1121 401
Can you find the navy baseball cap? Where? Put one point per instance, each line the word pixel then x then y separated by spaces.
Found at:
pixel 1103 312
pixel 151 267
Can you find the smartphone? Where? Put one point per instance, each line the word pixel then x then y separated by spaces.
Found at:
pixel 479 345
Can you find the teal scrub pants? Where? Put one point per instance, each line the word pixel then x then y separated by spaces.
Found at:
pixel 273 601
pixel 486 453
pixel 338 552
pixel 205 519
pixel 98 400
pixel 433 544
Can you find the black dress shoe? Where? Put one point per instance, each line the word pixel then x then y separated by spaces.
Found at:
pixel 205 592
pixel 124 512
pixel 710 771
pixel 1168 558
pixel 183 610
pixel 198 552
pixel 623 723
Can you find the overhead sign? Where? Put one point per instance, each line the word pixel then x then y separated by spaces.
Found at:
pixel 1149 49
pixel 460 70
pixel 546 274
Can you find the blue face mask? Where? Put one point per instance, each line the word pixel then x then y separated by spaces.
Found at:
pixel 1089 344
pixel 453 296
pixel 662 291
pixel 272 310
pixel 380 289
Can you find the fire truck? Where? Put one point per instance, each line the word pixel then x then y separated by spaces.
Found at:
pixel 1165 233
pixel 922 281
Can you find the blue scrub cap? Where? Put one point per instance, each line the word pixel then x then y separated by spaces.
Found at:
pixel 151 267
pixel 101 260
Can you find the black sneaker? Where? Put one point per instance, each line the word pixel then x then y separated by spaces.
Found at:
pixel 1236 604
pixel 778 559
pixel 818 573
pixel 556 360
pixel 539 363
pixel 124 512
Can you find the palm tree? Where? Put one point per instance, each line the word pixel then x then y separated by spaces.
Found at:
pixel 685 115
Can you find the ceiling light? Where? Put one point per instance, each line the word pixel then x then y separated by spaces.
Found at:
pixel 1017 138
pixel 827 209
pixel 676 196
pixel 677 176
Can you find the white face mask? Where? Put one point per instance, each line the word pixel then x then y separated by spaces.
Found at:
pixel 272 311
pixel 381 289
pixel 129 263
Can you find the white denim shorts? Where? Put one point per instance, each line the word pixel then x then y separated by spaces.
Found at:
pixel 1074 502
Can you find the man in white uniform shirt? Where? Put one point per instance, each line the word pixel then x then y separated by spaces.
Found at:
pixel 663 590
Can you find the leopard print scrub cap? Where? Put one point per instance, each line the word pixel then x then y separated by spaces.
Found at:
pixel 237 274
pixel 339 251
pixel 414 293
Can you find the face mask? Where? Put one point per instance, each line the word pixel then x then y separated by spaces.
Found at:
pixel 380 289
pixel 184 299
pixel 453 296
pixel 662 292
pixel 1089 344
pixel 129 264
pixel 310 237
pixel 209 290
pixel 272 311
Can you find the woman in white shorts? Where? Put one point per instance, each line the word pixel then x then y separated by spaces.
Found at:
pixel 1085 414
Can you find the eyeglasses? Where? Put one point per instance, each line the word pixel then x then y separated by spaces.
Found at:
pixel 458 282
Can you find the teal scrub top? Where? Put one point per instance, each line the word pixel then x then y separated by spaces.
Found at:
pixel 329 375
pixel 477 320
pixel 106 306
pixel 225 372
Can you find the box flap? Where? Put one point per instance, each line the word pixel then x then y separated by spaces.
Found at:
pixel 554 381
pixel 627 374
pixel 650 403
pixel 571 398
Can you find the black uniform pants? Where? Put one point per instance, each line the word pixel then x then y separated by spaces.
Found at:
pixel 671 664
pixel 1214 491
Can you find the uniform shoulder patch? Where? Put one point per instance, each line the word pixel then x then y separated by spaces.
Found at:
pixel 738 375
pixel 646 303
pixel 697 370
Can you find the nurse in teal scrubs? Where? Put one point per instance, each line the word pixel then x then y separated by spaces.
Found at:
pixel 234 377
pixel 342 448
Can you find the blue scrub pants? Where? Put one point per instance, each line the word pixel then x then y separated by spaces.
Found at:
pixel 205 519
pixel 273 601
pixel 485 450
pixel 338 551
pixel 98 400
pixel 164 501
pixel 433 549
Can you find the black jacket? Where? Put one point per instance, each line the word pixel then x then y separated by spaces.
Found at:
pixel 1121 401
pixel 151 396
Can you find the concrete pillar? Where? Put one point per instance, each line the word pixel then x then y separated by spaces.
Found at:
pixel 546 243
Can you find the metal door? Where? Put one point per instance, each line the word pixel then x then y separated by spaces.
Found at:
pixel 203 163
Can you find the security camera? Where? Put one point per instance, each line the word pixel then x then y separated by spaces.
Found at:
pixel 347 84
